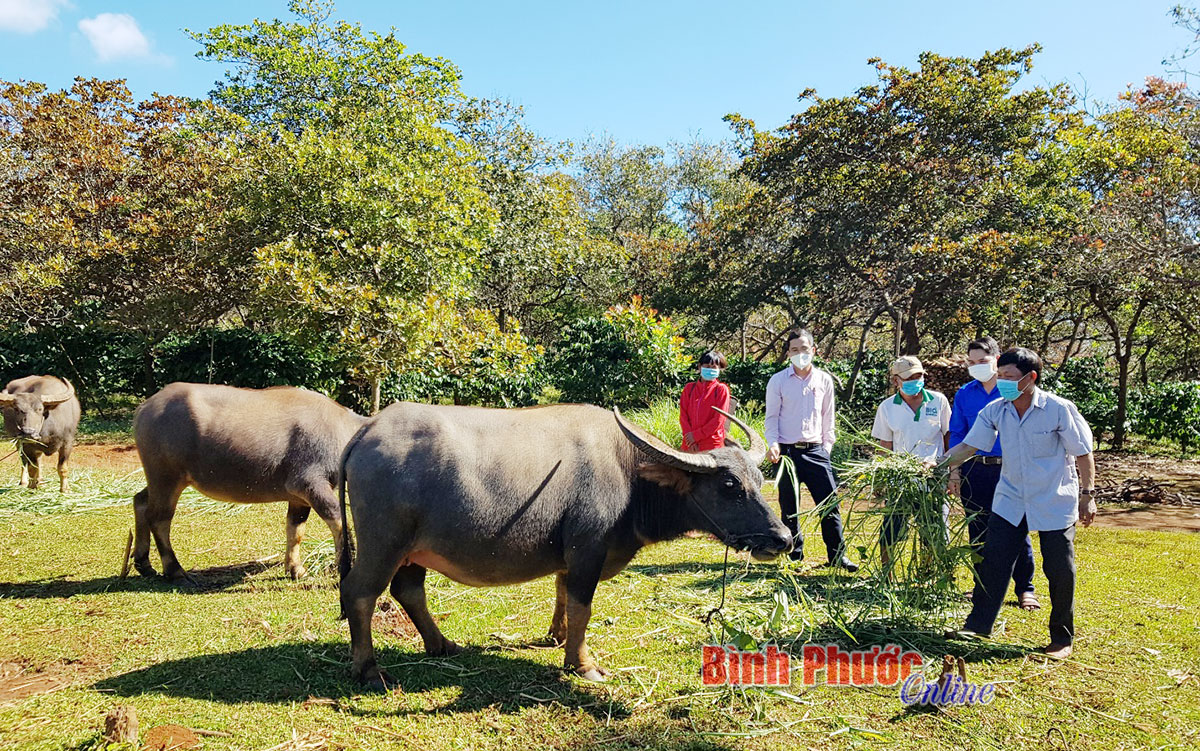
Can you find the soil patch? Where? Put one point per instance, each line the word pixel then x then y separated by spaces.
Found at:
pixel 17 683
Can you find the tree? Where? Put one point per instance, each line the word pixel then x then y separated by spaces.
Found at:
pixel 913 198
pixel 1139 256
pixel 117 213
pixel 369 210
pixel 540 264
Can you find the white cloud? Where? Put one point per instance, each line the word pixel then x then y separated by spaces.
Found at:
pixel 28 16
pixel 114 36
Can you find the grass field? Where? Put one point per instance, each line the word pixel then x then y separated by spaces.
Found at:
pixel 262 660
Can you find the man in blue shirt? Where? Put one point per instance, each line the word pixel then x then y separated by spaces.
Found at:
pixel 977 483
pixel 1046 485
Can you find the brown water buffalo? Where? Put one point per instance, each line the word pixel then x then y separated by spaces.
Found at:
pixel 242 446
pixel 492 496
pixel 42 414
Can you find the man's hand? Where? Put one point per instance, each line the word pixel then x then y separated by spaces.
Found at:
pixel 1087 510
pixel 774 453
pixel 954 487
pixel 690 441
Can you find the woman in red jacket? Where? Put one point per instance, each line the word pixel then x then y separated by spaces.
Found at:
pixel 703 427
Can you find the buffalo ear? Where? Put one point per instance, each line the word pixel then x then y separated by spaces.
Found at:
pixel 667 476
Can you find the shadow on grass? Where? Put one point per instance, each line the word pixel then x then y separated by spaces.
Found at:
pixel 214 579
pixel 287 673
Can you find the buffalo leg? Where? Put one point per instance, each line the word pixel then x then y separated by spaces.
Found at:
pixel 558 623
pixel 29 463
pixel 153 510
pixel 373 569
pixel 64 471
pixel 408 587
pixel 581 584
pixel 141 533
pixel 321 498
pixel 297 515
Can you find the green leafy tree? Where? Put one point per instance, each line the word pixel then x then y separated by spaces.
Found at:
pixel 626 357
pixel 914 198
pixel 368 208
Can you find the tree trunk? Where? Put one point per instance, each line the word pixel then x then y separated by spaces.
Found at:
pixel 852 381
pixel 1122 398
pixel 148 367
pixel 744 322
pixel 376 388
pixel 897 328
pixel 912 337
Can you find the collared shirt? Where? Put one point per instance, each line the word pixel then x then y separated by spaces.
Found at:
pixel 969 399
pixel 800 409
pixel 918 432
pixel 1038 479
pixel 697 416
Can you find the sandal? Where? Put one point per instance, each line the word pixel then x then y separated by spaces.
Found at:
pixel 1028 601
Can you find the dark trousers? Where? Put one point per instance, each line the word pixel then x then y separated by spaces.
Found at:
pixel 978 489
pixel 814 470
pixel 1004 543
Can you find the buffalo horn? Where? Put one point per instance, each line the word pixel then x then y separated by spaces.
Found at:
pixel 660 452
pixel 51 400
pixel 758 447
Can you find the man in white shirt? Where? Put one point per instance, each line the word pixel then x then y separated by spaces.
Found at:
pixel 800 425
pixel 915 421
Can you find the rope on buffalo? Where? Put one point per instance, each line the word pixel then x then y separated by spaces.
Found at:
pixel 716 612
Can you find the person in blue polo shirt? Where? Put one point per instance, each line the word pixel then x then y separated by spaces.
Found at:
pixel 977 484
pixel 1046 486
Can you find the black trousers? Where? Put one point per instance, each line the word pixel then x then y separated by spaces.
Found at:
pixel 816 473
pixel 979 482
pixel 1004 543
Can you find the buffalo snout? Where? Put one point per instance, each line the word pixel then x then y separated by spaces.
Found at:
pixel 771 545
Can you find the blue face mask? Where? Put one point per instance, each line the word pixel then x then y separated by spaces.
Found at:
pixel 1009 389
pixel 912 388
pixel 710 374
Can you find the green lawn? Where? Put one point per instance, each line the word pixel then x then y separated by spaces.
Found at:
pixel 264 659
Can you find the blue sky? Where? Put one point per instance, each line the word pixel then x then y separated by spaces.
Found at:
pixel 643 72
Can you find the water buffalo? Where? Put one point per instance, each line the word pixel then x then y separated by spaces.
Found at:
pixel 242 446
pixel 42 413
pixel 490 497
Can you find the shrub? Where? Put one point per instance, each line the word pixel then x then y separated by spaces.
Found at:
pixel 626 357
pixel 1171 411
pixel 1090 383
pixel 247 358
pixel 748 378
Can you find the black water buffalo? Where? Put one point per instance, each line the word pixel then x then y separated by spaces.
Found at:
pixel 242 446
pixel 492 496
pixel 42 413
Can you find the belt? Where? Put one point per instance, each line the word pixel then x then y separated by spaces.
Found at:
pixel 988 459
pixel 801 445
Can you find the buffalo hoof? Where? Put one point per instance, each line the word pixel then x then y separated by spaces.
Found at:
pixel 299 572
pixel 595 674
pixel 144 568
pixel 181 578
pixel 447 649
pixel 377 681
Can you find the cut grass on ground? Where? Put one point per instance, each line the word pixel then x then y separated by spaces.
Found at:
pixel 262 658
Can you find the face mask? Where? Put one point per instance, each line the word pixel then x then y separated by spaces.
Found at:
pixel 912 388
pixel 982 372
pixel 802 360
pixel 710 374
pixel 1010 390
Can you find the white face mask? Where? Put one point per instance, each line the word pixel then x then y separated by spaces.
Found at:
pixel 982 372
pixel 802 360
